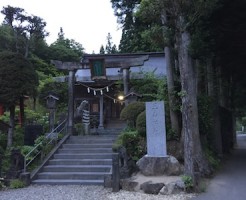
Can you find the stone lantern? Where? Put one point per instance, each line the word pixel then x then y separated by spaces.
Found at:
pixel 51 105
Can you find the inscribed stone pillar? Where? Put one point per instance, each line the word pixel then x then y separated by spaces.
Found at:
pixel 71 80
pixel 156 129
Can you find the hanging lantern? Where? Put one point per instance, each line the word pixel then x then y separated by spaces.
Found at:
pixel 107 89
pixel 95 92
pixel 101 92
pixel 114 101
pixel 88 90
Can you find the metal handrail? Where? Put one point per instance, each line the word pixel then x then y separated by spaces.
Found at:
pixel 62 124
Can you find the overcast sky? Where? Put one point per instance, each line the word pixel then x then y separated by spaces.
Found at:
pixel 86 21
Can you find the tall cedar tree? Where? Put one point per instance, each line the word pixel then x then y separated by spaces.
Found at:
pixel 17 79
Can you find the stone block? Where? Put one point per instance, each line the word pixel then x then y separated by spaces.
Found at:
pixel 25 178
pixel 173 166
pixel 173 188
pixel 152 166
pixel 128 184
pixel 151 188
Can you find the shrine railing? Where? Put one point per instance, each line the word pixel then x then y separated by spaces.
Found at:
pixel 50 139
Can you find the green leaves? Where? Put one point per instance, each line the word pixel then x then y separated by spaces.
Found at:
pixel 17 78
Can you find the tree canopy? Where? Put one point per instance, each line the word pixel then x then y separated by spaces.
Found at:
pixel 17 78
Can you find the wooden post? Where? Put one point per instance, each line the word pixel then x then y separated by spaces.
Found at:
pixel 101 126
pixel 115 173
pixel 71 80
pixel 126 82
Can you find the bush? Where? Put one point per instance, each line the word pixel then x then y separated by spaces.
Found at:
pixel 135 144
pixel 188 181
pixel 130 113
pixel 212 159
pixel 18 139
pixel 141 124
pixel 16 183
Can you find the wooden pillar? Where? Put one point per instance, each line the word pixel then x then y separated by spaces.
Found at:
pixel 71 80
pixel 101 125
pixel 126 78
pixel 1 110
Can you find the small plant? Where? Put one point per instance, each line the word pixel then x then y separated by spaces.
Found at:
pixel 188 181
pixel 16 183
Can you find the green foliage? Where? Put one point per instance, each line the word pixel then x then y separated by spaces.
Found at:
pixel 26 149
pixel 41 141
pixel 17 78
pixel 37 117
pixel 58 89
pixel 188 181
pixel 135 144
pixel 3 140
pixel 151 87
pixel 18 139
pixel 42 66
pixel 6 161
pixel 131 111
pixel 80 129
pixel 205 115
pixel 141 124
pixel 213 160
pixel 64 49
pixel 6 38
pixel 16 183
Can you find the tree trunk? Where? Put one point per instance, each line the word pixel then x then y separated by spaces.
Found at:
pixel 194 159
pixel 171 88
pixel 170 82
pixel 12 125
pixel 213 93
pixel 22 112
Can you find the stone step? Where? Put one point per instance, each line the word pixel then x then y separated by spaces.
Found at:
pixel 77 168
pixel 90 141
pixel 112 136
pixel 84 156
pixel 80 162
pixel 67 182
pixel 73 175
pixel 85 150
pixel 76 146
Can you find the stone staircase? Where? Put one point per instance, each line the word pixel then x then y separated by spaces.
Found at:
pixel 82 160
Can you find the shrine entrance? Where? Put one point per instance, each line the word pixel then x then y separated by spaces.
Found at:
pixel 96 80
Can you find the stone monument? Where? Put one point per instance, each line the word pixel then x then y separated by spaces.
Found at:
pixel 156 129
pixel 157 162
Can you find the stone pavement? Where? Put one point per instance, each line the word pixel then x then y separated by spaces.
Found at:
pixel 230 182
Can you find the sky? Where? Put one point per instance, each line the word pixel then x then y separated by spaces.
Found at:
pixel 86 21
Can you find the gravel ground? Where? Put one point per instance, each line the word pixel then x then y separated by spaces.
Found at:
pixel 69 192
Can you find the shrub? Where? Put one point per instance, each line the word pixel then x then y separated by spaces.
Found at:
pixel 135 144
pixel 212 159
pixel 141 124
pixel 188 181
pixel 130 113
pixel 16 183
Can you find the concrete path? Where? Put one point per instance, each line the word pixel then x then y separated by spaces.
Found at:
pixel 230 182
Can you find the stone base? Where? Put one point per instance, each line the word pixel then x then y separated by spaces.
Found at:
pixel 25 177
pixel 154 166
